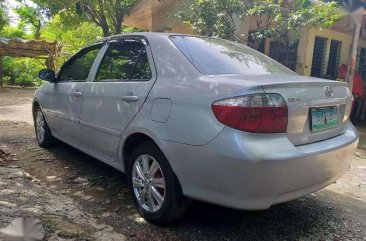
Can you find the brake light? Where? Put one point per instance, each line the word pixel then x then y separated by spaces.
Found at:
pixel 260 113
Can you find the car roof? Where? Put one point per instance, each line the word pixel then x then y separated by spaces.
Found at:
pixel 142 34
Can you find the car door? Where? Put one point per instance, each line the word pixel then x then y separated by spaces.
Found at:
pixel 119 89
pixel 67 94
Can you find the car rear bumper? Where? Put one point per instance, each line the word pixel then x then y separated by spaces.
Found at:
pixel 254 171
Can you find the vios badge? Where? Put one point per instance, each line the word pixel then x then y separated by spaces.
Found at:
pixel 329 92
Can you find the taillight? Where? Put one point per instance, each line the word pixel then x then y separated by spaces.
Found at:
pixel 260 113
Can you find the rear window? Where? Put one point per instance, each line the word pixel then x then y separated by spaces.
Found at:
pixel 212 56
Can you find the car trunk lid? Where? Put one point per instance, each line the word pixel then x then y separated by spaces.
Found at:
pixel 302 95
pixel 317 109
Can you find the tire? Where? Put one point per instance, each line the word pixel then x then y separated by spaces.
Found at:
pixel 157 212
pixel 43 132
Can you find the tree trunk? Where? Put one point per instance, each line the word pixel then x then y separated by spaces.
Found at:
pixel 106 32
pixel 118 28
pixel 1 70
pixel 50 63
pixel 119 17
pixel 353 54
pixel 37 33
pixel 104 24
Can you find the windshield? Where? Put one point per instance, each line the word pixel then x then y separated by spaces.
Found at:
pixel 212 56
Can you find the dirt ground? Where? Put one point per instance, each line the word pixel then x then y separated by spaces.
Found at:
pixel 78 198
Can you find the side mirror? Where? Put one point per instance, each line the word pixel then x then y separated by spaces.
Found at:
pixel 47 75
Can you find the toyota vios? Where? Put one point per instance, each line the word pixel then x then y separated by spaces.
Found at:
pixel 200 118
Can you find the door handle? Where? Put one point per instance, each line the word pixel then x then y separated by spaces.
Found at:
pixel 130 98
pixel 77 94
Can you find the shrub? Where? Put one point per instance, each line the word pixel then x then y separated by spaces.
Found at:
pixel 22 71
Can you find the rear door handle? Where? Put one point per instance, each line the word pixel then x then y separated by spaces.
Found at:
pixel 77 94
pixel 130 98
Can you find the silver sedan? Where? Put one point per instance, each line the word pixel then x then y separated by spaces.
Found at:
pixel 190 117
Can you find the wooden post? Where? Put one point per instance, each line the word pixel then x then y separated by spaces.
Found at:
pixel 357 17
pixel 51 62
pixel 1 71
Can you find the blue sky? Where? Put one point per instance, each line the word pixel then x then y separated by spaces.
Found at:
pixel 13 17
pixel 11 4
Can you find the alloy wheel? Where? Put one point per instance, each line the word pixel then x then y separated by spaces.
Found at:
pixel 40 126
pixel 148 183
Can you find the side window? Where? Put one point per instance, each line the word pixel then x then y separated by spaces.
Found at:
pixel 78 67
pixel 125 61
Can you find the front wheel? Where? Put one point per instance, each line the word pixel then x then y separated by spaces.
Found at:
pixel 154 188
pixel 43 132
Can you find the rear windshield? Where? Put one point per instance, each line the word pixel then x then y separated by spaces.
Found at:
pixel 212 56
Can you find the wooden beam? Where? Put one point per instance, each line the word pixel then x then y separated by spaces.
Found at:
pixel 28 47
pixel 50 48
pixel 24 51
pixel 11 50
pixel 22 54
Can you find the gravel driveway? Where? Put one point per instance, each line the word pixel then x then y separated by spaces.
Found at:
pixel 78 198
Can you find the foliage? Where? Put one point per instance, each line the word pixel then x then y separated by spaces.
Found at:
pixel 72 38
pixel 13 32
pixel 212 17
pixel 106 14
pixel 4 19
pixel 22 71
pixel 281 20
pixel 77 23
pixel 30 15
pixel 19 71
pixel 64 10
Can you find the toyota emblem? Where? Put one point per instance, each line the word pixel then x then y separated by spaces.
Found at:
pixel 329 92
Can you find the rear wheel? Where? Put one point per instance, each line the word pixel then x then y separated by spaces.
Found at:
pixel 155 190
pixel 43 132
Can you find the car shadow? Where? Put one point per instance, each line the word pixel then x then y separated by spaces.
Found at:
pixel 314 217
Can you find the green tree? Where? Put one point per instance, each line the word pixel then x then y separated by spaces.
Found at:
pixel 13 32
pixel 106 14
pixel 72 38
pixel 281 20
pixel 31 15
pixel 22 71
pixel 212 17
pixel 4 19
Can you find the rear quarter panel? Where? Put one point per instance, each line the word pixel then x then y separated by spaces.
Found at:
pixel 191 120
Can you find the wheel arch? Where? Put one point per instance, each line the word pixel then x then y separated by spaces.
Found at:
pixel 131 141
pixel 35 104
pixel 135 139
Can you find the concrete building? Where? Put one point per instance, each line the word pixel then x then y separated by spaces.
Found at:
pixel 319 52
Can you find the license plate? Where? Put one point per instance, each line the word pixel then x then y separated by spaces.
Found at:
pixel 323 118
